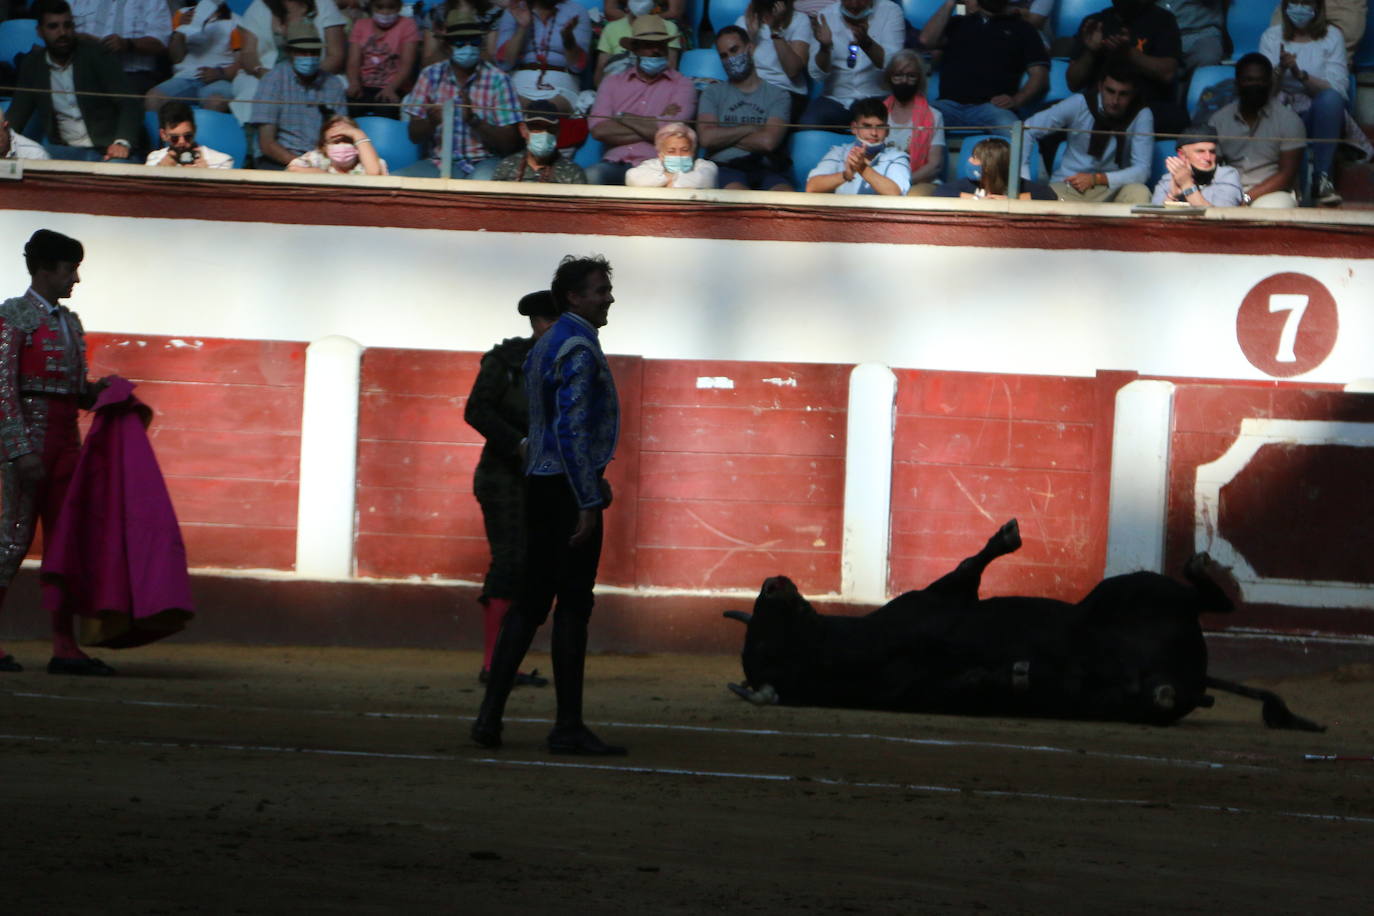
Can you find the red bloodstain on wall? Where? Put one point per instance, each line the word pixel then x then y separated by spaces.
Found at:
pixel 973 450
pixel 226 431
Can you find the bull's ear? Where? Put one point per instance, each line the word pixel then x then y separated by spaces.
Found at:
pixel 741 616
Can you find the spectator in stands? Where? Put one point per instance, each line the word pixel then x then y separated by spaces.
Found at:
pixel 782 39
pixel 612 57
pixel 203 59
pixel 382 51
pixel 673 10
pixel 546 45
pixel 485 12
pixel 487 112
pixel 17 146
pixel 1260 136
pixel 288 129
pixel 1350 16
pixel 1202 32
pixel 177 129
pixel 990 176
pixel 870 165
pixel 1035 13
pixel 853 41
pixel 135 31
pixel 540 160
pixel 631 105
pixel 743 121
pixel 987 53
pixel 1144 38
pixel 344 148
pixel 267 25
pixel 1112 163
pixel 676 165
pixel 1308 53
pixel 1193 176
pixel 916 126
pixel 80 127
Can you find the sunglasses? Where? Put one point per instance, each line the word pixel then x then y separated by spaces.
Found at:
pixel 474 41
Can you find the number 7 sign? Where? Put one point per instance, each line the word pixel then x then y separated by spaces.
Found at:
pixel 1287 325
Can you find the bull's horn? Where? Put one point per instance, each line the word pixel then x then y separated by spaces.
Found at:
pixel 741 616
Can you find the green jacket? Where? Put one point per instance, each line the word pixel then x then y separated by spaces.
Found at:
pixel 97 70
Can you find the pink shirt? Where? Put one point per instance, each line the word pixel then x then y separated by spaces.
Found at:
pixel 382 48
pixel 630 93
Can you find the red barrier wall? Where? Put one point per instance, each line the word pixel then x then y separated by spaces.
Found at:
pixel 973 450
pixel 227 435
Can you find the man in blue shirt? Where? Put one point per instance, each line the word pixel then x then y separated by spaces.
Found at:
pixel 574 425
pixel 869 165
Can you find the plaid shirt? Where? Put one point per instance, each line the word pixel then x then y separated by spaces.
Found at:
pixel 298 126
pixel 488 90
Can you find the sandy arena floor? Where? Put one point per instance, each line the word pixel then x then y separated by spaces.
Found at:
pixel 225 779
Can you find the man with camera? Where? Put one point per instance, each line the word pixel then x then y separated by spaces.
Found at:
pixel 177 128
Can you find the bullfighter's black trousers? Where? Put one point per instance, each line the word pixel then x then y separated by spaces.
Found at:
pixel 554 572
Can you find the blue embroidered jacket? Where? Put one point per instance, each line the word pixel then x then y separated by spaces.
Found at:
pixel 574 412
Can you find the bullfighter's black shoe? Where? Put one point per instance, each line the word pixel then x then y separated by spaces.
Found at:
pixel 485 733
pixel 85 667
pixel 10 663
pixel 531 678
pixel 580 740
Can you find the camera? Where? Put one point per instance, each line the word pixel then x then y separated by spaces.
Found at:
pixel 188 156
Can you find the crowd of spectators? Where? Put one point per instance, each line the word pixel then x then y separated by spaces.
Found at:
pixel 522 73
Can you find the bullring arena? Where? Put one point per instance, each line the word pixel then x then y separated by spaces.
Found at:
pixel 850 394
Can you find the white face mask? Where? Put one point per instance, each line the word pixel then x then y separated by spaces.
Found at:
pixel 640 7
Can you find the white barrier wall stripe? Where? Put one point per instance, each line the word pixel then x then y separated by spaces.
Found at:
pixel 868 483
pixel 329 458
pixel 1140 477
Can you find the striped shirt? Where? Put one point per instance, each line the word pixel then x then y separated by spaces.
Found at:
pixel 488 90
pixel 298 126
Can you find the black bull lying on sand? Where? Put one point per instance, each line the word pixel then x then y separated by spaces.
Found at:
pixel 1132 650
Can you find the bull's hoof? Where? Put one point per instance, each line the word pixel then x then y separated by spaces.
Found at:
pixel 1008 537
pixel 1020 676
pixel 764 696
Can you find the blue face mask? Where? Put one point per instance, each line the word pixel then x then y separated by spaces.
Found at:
pixel 466 56
pixel 975 171
pixel 651 66
pixel 1300 16
pixel 677 164
pixel 857 17
pixel 871 150
pixel 305 66
pixel 541 144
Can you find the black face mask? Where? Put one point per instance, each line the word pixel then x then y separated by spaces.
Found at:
pixel 1252 98
pixel 1202 177
pixel 904 92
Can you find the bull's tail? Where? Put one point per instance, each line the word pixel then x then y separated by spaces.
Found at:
pixel 1203 572
pixel 1276 712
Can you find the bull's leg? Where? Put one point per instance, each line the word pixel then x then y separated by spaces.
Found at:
pixel 963 582
pixel 1276 712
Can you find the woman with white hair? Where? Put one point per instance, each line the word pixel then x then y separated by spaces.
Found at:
pixel 676 165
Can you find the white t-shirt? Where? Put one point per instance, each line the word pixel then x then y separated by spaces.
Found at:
pixel 213 158
pixel 766 62
pixel 1323 58
pixel 207 43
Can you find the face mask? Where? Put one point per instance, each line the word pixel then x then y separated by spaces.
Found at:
pixel 857 17
pixel 1201 176
pixel 306 66
pixel 738 66
pixel 541 144
pixel 904 92
pixel 651 66
pixel 386 20
pixel 1252 98
pixel 466 56
pixel 871 150
pixel 343 155
pixel 677 164
pixel 975 171
pixel 1300 16
pixel 640 7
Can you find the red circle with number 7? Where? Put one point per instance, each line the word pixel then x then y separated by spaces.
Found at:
pixel 1287 324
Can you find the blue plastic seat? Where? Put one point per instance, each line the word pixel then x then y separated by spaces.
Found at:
pixel 1364 51
pixel 1246 21
pixel 1205 78
pixel 1069 14
pixel 933 86
pixel 966 149
pixel 721 13
pixel 17 38
pixel 218 130
pixel 808 147
pixel 702 63
pixel 589 153
pixel 918 12
pixel 392 140
pixel 1163 150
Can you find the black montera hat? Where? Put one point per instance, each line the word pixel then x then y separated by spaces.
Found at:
pixel 538 305
pixel 46 245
